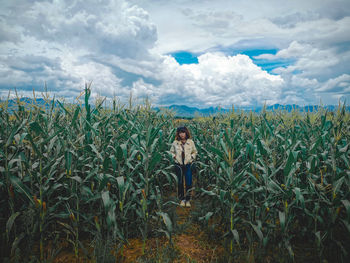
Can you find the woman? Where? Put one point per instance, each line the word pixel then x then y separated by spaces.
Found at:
pixel 184 152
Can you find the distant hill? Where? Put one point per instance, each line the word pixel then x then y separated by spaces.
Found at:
pixel 309 108
pixel 185 111
pixel 189 112
pixel 12 104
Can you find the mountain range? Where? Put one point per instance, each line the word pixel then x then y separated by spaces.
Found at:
pixel 190 112
pixel 185 111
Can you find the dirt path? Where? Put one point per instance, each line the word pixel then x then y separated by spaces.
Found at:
pixel 190 244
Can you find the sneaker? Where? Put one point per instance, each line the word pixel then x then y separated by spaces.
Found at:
pixel 182 203
pixel 188 204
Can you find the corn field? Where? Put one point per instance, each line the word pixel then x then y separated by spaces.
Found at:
pixel 266 184
pixel 278 182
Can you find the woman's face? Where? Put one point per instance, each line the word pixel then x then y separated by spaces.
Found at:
pixel 182 135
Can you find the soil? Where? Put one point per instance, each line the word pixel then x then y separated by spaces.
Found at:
pixel 190 244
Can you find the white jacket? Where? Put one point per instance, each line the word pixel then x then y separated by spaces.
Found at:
pixel 190 151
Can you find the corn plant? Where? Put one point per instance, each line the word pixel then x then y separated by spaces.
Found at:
pixel 276 179
pixel 70 173
pixel 77 172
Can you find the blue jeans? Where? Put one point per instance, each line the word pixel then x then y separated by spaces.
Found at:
pixel 181 172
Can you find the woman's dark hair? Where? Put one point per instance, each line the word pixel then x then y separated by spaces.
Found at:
pixel 182 129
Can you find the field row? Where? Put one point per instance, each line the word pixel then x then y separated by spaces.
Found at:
pixel 265 182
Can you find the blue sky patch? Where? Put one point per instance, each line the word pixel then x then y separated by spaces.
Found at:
pixel 256 52
pixel 183 57
pixel 268 65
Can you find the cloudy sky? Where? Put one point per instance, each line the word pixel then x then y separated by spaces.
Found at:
pixel 191 52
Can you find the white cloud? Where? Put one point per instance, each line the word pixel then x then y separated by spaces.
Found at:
pixel 216 80
pixel 294 50
pixel 219 80
pixel 310 62
pixel 10 77
pixel 198 26
pixel 122 47
pixel 62 43
pixel 339 84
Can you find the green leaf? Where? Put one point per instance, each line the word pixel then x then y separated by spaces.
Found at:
pixel 151 135
pixel 76 113
pixel 210 193
pixel 346 204
pixel 10 138
pixel 111 220
pixel 166 221
pixel 223 145
pixel 251 176
pixel 23 135
pixel 65 110
pixel 10 222
pixel 344 149
pixel 155 159
pixel 36 128
pixel 206 217
pixel 227 138
pixel 216 151
pixel 76 178
pixel 257 231
pixel 105 163
pixel 16 182
pixel 106 199
pixel 154 144
pixel 120 181
pixel 272 186
pixel 250 150
pixel 318 238
pixel 86 190
pixel 93 147
pixel 346 161
pixel 119 153
pixel 262 147
pixel 124 148
pixel 104 179
pixel 338 184
pixel 114 163
pixel 289 163
pixel 14 131
pixel 282 217
pixel 299 196
pixel 16 242
pixel 68 159
pixel 235 235
pixel 268 125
